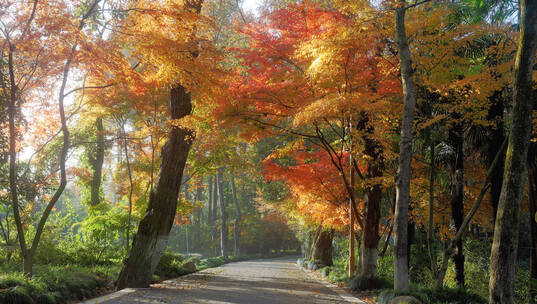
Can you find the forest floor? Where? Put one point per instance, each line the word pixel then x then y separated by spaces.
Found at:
pixel 256 281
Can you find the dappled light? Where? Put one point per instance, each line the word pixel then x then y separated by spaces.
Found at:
pixel 268 151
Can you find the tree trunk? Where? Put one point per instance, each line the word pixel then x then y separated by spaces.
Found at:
pixel 322 252
pixel 371 232
pixel 496 136
pixel 196 227
pixel 210 202
pixel 373 197
pixel 533 230
pixel 314 241
pixel 504 248
pixel 405 154
pixel 97 164
pixel 456 169
pixel 214 231
pixel 131 186
pixel 430 226
pixel 237 231
pixel 223 215
pixel 152 236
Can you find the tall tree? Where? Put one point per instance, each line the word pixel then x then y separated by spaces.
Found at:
pixel 238 217
pixel 196 225
pixel 223 213
pixel 456 169
pixel 96 162
pixel 28 31
pixel 405 152
pixel 154 228
pixel 504 247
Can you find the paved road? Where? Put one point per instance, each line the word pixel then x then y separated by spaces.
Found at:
pixel 251 282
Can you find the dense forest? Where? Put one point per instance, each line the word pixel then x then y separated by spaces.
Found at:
pixel 388 143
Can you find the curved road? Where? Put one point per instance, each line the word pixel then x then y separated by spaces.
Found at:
pixel 250 282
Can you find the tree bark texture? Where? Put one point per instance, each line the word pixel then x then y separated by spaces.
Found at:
pixel 373 198
pixel 456 169
pixel 152 236
pixel 533 229
pixel 504 247
pixel 96 163
pixel 405 153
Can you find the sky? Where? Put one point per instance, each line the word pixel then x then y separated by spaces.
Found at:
pixel 250 6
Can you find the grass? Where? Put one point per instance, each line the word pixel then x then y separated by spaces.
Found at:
pixel 56 284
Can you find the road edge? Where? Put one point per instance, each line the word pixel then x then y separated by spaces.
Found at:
pixel 342 293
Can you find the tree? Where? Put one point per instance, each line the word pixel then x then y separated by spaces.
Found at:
pixel 405 153
pixel 504 249
pixel 18 38
pixel 223 213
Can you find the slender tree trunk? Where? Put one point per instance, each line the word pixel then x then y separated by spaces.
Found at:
pixel 496 137
pixel 430 228
pixel 214 232
pixel 153 231
pixel 131 186
pixel 223 215
pixel 405 154
pixel 29 253
pixel 504 248
pixel 314 240
pixel 457 196
pixel 97 164
pixel 196 233
pixel 238 216
pixel 210 202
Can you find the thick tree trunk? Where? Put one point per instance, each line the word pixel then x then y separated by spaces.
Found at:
pixel 322 251
pixel 504 247
pixel 405 154
pixel 373 198
pixel 371 232
pixel 456 169
pixel 223 215
pixel 152 236
pixel 238 216
pixel 97 164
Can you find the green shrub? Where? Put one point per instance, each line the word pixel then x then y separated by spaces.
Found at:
pixel 360 282
pixel 15 295
pixel 170 266
pixel 429 296
pixel 325 271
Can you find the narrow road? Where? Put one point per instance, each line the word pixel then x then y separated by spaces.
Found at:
pixel 250 282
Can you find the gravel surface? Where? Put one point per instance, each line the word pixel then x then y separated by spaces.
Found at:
pixel 251 282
